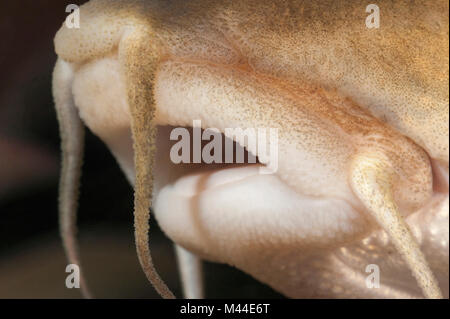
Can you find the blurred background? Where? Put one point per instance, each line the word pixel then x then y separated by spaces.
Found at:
pixel 32 261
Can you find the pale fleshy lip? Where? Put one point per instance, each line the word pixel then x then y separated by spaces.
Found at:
pixel 194 184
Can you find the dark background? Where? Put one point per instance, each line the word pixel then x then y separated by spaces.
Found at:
pixel 32 262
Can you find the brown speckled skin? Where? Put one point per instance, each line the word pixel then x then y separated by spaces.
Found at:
pixel 323 42
pixel 333 87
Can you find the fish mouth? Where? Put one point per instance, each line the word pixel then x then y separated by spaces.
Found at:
pixel 219 199
pixel 225 168
pixel 198 203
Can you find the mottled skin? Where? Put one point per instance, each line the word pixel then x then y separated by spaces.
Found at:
pixel 363 126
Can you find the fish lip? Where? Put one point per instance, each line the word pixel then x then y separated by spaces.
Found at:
pixel 197 183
